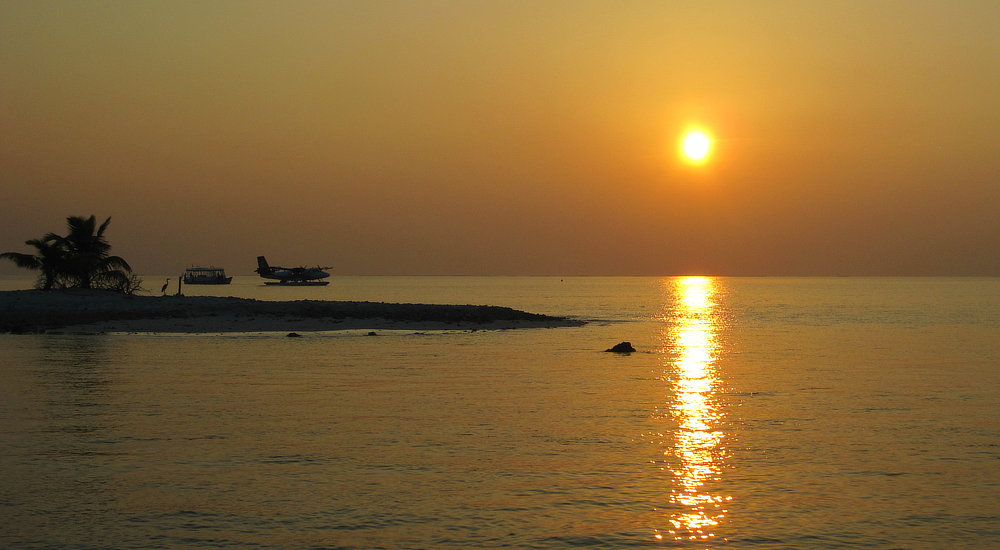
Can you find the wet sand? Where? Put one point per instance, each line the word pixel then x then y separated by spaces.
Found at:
pixel 93 311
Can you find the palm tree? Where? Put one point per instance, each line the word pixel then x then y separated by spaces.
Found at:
pixel 87 254
pixel 50 260
pixel 81 259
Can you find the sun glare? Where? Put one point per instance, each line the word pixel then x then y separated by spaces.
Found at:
pixel 696 147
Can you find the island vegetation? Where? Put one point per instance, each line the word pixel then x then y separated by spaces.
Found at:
pixel 97 294
pixel 80 259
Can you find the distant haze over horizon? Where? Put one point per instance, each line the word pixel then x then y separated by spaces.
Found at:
pixel 508 137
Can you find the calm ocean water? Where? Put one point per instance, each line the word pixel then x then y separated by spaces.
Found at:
pixel 756 413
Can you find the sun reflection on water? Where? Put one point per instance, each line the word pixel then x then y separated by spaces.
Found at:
pixel 697 451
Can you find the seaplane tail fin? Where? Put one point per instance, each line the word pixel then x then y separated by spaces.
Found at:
pixel 262 268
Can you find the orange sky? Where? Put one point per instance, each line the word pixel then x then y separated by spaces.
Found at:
pixel 508 137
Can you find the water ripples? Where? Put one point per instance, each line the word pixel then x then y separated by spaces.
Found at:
pixel 730 427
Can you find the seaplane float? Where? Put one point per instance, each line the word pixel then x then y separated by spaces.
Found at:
pixel 291 276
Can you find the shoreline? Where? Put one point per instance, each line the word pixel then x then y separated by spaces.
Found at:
pixel 97 311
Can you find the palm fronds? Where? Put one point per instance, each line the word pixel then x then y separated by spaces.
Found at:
pixel 81 259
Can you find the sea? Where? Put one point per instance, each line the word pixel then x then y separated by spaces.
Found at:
pixel 757 413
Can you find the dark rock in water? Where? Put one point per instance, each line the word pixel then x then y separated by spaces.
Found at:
pixel 373 333
pixel 294 335
pixel 624 347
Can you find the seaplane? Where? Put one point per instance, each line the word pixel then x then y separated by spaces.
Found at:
pixel 291 276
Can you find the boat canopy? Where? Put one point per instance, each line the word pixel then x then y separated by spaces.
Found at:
pixel 206 271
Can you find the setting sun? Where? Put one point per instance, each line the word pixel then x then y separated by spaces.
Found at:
pixel 696 146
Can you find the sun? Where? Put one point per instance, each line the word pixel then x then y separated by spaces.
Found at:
pixel 696 146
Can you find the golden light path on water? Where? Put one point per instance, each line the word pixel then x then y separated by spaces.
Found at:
pixel 692 341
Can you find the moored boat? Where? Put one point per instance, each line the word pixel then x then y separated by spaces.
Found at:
pixel 206 276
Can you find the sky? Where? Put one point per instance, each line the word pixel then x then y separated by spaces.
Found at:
pixel 508 137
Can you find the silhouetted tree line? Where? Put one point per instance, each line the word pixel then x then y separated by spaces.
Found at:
pixel 81 259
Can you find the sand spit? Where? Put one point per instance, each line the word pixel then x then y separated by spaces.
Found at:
pixel 94 311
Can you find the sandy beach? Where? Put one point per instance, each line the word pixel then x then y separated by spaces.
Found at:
pixel 94 311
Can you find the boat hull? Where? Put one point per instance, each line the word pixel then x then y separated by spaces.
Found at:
pixel 223 281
